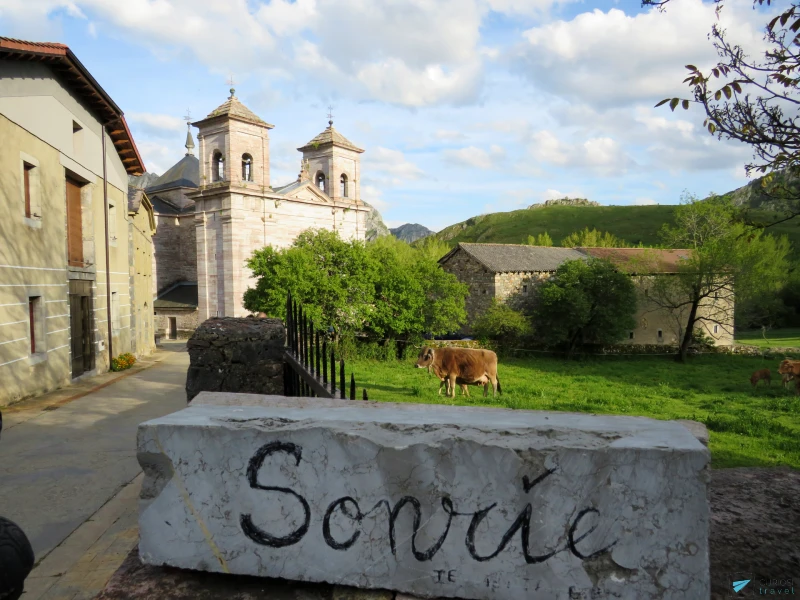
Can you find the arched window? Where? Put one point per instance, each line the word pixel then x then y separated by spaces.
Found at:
pixel 247 167
pixel 321 180
pixel 343 186
pixel 218 166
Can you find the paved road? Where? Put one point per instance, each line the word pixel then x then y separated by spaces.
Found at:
pixel 59 468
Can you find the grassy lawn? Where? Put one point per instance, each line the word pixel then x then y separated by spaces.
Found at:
pixel 747 428
pixel 777 338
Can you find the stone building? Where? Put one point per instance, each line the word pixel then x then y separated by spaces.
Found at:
pixel 71 241
pixel 510 273
pixel 237 211
pixel 175 258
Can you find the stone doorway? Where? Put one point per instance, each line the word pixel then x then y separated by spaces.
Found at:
pixel 80 321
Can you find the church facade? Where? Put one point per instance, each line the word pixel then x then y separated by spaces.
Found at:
pixel 234 210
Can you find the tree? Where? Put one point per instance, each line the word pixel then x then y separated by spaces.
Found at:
pixel 755 101
pixel 726 261
pixel 585 302
pixel 593 239
pixel 543 239
pixel 501 323
pixel 331 277
pixel 386 289
pixel 413 295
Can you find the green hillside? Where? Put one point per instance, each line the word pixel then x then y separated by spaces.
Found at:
pixel 634 224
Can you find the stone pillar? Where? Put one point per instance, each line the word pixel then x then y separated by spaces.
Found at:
pixel 434 501
pixel 236 355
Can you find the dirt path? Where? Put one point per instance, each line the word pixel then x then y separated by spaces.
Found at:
pixel 755 527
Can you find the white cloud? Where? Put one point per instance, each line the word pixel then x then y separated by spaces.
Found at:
pixel 601 155
pixel 475 157
pixel 156 124
pixel 610 58
pixel 642 201
pixel 450 136
pixel 157 157
pixel 551 194
pixel 389 166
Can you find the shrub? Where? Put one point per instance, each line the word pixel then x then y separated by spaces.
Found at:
pixel 123 361
pixel 502 324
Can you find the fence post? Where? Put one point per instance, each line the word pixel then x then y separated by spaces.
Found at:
pixel 311 347
pixel 325 362
pixel 341 379
pixel 333 375
pixel 316 355
pixel 352 387
pixel 365 394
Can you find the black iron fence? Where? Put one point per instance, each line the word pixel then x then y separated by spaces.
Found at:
pixel 307 362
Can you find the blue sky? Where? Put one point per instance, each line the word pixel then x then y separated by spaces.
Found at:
pixel 463 106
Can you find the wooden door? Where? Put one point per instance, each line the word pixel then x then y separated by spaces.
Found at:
pixel 81 329
pixel 74 225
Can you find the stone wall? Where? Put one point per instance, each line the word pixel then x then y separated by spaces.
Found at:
pixel 186 322
pixel 175 254
pixel 236 355
pixel 481 284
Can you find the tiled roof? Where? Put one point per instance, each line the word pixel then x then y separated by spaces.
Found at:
pixel 67 68
pixel 330 136
pixel 504 258
pixel 641 260
pixel 181 295
pixel 233 108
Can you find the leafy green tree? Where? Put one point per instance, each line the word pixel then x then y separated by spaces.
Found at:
pixel 331 277
pixel 386 289
pixel 585 302
pixel 728 261
pixel 543 239
pixel 593 239
pixel 413 295
pixel 502 324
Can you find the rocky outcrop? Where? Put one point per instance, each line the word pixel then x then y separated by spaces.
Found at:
pixel 566 202
pixel 236 355
pixel 375 226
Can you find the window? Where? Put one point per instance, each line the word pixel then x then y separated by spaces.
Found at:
pixel 660 335
pixel 36 324
pixel 630 335
pixel 77 138
pixel 218 167
pixel 343 186
pixel 716 328
pixel 524 289
pixel 320 180
pixel 484 290
pixel 115 310
pixel 716 295
pixel 27 168
pixel 247 167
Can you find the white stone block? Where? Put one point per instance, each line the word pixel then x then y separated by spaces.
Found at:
pixel 433 501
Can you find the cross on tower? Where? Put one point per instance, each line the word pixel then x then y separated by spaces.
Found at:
pixel 188 117
pixel 231 83
pixel 330 115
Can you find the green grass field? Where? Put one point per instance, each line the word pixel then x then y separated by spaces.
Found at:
pixel 778 338
pixel 747 428
pixel 634 224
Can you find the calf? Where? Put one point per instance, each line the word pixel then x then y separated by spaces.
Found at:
pixel 471 366
pixel 759 375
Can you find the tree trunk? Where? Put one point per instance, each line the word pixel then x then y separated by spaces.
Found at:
pixel 687 335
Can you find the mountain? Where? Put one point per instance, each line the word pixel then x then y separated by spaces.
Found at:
pixel 756 195
pixel 375 226
pixel 410 232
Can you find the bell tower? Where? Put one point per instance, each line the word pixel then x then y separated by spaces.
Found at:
pixel 334 164
pixel 234 146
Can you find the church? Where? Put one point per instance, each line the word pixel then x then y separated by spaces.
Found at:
pixel 215 209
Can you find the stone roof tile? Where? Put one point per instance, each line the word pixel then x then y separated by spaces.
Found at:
pixel 330 136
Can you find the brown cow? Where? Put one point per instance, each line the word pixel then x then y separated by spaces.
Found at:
pixel 472 366
pixel 790 369
pixel 759 375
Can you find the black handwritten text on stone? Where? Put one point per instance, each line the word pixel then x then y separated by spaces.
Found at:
pixel 350 508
